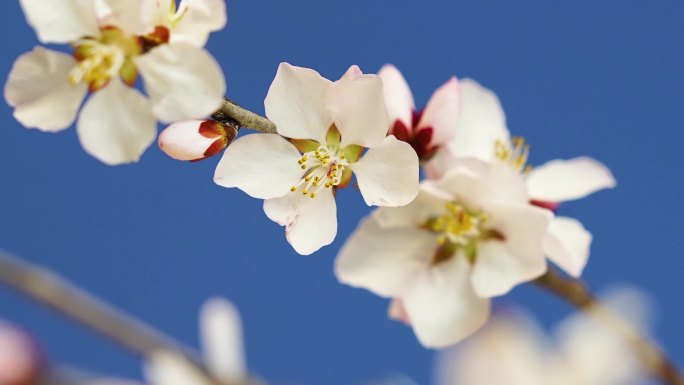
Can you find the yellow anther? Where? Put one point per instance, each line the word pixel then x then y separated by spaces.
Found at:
pixel 293 189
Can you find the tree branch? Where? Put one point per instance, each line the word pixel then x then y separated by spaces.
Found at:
pixel 54 292
pixel 232 113
pixel 576 294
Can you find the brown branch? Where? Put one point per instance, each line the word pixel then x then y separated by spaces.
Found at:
pixel 576 294
pixel 232 113
pixel 54 292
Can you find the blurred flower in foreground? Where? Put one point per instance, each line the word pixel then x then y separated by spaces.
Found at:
pixel 20 359
pixel 223 352
pixel 512 350
pixel 482 134
pixel 329 125
pixel 466 238
pixel 195 140
pixel 425 130
pixel 113 42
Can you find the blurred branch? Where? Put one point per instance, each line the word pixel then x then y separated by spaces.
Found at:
pixel 232 113
pixel 54 292
pixel 577 294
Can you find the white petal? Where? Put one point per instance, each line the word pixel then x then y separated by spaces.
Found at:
pixel 428 203
pixel 310 223
pixel 388 174
pixel 124 14
pixel 442 112
pixel 38 89
pixel 563 180
pixel 296 103
pixel 200 19
pixel 359 110
pixel 442 306
pixel 116 124
pixel 398 96
pixel 511 341
pixel 221 333
pixel 477 184
pixel 166 368
pixel 384 261
pixel 519 258
pixel 567 245
pixel 262 165
pixel 183 82
pixel 61 21
pixel 481 123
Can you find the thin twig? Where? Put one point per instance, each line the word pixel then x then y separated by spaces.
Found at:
pixel 54 292
pixel 576 294
pixel 230 111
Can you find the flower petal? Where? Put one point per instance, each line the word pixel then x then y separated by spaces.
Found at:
pixel 221 333
pixel 359 110
pixel 501 265
pixel 61 21
pixel 116 124
pixel 38 89
pixel 567 245
pixel 262 165
pixel 428 203
pixel 442 112
pixel 563 180
pixel 384 261
pixel 388 174
pixel 201 17
pixel 124 14
pixel 512 341
pixel 166 368
pixel 183 82
pixel 296 103
pixel 310 223
pixel 398 96
pixel 481 123
pixel 442 306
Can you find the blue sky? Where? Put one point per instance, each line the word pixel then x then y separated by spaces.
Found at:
pixel 157 238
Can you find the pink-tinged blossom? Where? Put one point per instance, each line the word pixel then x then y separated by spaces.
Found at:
pixel 195 140
pixel 326 131
pixel 482 135
pixel 20 359
pixel 466 238
pixel 114 42
pixel 427 129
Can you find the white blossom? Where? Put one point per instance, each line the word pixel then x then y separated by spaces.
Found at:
pixel 512 349
pixel 223 351
pixel 466 238
pixel 324 127
pixel 482 134
pixel 114 42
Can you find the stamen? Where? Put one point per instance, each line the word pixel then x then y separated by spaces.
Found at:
pixel 513 153
pixel 324 167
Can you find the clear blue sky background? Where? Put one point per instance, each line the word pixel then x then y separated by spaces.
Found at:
pixel 598 78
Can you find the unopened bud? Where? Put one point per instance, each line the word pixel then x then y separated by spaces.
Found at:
pixel 20 359
pixel 195 140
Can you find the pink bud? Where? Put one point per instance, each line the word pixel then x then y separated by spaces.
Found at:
pixel 20 361
pixel 195 140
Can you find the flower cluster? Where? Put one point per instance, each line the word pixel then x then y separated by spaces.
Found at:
pixel 112 42
pixel 483 222
pixel 582 352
